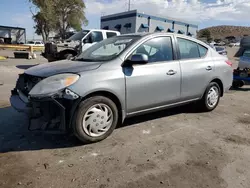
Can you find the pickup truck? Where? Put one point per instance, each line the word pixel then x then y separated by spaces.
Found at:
pixel 76 44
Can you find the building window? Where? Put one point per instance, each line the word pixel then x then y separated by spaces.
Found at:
pixel 128 27
pixel 159 28
pixel 170 30
pixel 181 32
pixel 144 25
pixel 106 27
pixel 118 27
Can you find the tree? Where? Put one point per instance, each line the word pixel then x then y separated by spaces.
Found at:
pixel 42 26
pixel 43 17
pixel 205 33
pixel 58 15
pixel 69 14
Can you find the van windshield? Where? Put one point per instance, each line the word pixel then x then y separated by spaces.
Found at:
pixel 107 49
pixel 78 36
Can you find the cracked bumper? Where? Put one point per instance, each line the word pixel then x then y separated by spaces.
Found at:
pixel 19 102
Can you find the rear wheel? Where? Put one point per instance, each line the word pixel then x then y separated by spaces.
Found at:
pixel 211 97
pixel 95 119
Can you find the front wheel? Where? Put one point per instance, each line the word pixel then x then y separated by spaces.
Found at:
pixel 211 97
pixel 95 119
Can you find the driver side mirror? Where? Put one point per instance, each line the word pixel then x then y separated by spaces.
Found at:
pixel 140 59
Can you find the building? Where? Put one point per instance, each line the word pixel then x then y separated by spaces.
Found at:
pixel 133 22
pixel 14 35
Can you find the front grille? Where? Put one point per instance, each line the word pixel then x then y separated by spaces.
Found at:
pixel 26 82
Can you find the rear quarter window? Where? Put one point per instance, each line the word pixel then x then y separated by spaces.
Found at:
pixel 203 50
pixel 246 53
pixel 190 49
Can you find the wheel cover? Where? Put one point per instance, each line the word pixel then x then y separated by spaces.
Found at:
pixel 97 120
pixel 212 97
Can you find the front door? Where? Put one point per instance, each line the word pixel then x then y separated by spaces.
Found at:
pixel 197 68
pixel 156 83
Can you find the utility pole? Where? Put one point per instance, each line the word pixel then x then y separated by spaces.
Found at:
pixel 129 5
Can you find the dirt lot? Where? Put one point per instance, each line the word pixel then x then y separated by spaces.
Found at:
pixel 174 148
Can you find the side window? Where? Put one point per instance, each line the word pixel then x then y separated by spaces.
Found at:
pixel 157 49
pixel 110 34
pixel 96 36
pixel 202 50
pixel 246 53
pixel 188 49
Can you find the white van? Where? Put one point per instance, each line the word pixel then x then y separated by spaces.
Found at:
pixel 77 43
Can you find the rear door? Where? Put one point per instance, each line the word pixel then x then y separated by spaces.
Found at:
pixel 156 83
pixel 197 68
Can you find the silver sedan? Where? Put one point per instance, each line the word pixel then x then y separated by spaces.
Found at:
pixel 120 77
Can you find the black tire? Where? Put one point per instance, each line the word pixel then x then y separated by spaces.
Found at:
pixel 238 84
pixel 83 108
pixel 203 103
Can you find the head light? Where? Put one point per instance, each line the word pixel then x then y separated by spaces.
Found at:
pixel 53 84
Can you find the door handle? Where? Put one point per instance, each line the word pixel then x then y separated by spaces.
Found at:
pixel 209 68
pixel 171 72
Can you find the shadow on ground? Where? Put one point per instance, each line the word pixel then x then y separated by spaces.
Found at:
pixel 14 135
pixel 240 89
pixel 160 114
pixel 25 66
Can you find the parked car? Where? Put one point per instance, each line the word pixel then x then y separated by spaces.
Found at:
pixel 76 44
pixel 234 44
pixel 120 77
pixel 221 50
pixel 35 43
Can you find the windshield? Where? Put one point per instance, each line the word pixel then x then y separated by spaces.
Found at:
pixel 78 36
pixel 107 49
pixel 246 53
pixel 31 42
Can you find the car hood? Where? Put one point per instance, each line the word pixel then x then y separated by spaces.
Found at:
pixel 58 67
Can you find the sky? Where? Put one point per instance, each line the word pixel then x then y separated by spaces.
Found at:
pixel 205 13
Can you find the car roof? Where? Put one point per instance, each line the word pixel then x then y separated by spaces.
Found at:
pixel 157 33
pixel 148 34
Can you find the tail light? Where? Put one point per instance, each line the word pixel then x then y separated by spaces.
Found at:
pixel 229 63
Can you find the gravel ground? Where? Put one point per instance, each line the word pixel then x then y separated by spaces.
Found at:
pixel 172 148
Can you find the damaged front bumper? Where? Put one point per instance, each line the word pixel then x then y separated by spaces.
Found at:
pixel 51 114
pixel 19 102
